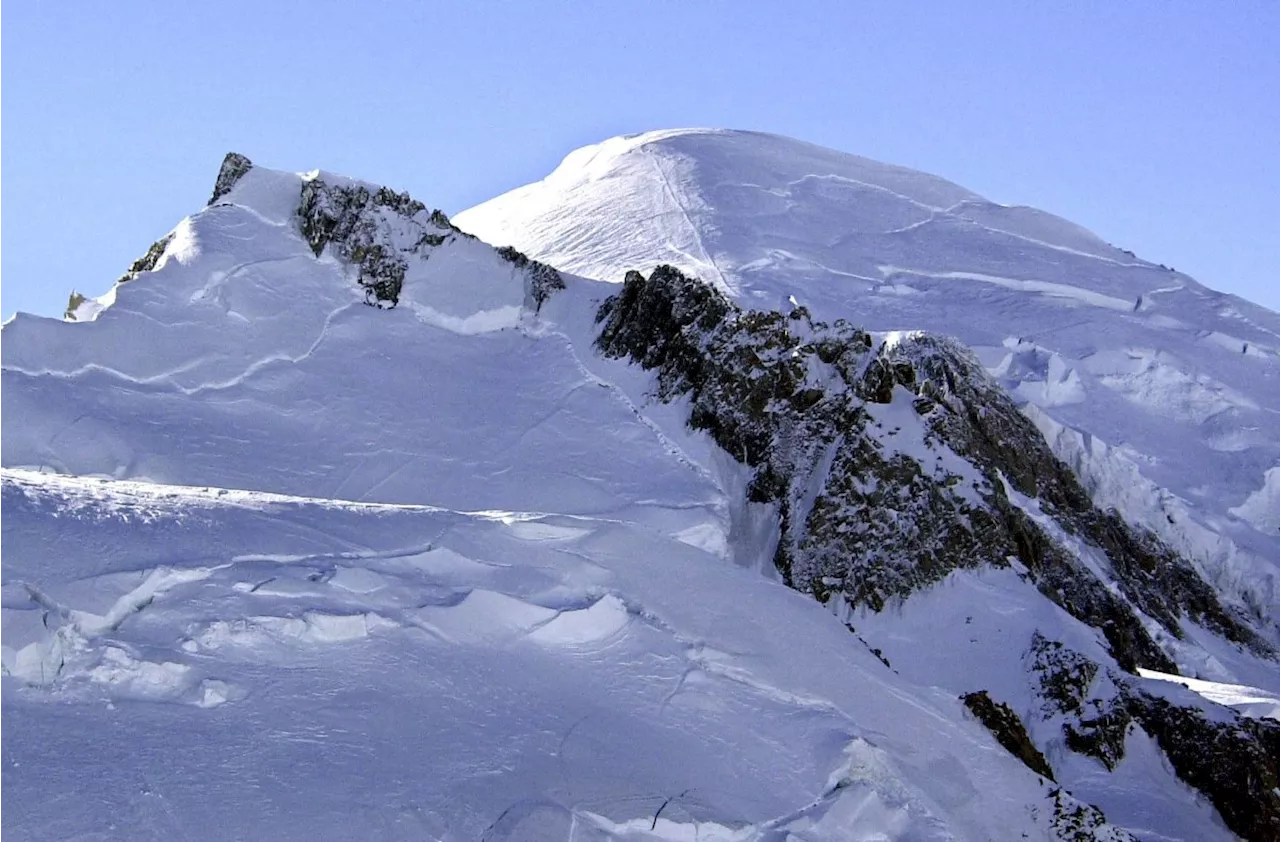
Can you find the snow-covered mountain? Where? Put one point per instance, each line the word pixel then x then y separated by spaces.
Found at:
pixel 330 520
pixel 1163 395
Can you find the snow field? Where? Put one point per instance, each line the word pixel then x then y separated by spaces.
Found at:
pixel 531 675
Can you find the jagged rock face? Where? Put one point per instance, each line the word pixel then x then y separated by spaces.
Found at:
pixel 888 462
pixel 969 411
pixel 351 219
pixel 1065 676
pixel 234 166
pixel 379 231
pixel 148 261
pixel 1071 689
pixel 784 396
pixel 1074 821
pixel 1234 763
pixel 543 280
pixel 1008 729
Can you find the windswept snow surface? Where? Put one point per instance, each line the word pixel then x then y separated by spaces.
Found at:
pixel 204 663
pixel 278 564
pixel 1250 701
pixel 1162 394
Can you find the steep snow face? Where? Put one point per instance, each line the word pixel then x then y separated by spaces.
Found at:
pixel 1162 394
pixel 727 206
pixel 258 364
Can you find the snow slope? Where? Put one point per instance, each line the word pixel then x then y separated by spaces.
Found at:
pixel 1162 394
pixel 279 563
pixel 221 664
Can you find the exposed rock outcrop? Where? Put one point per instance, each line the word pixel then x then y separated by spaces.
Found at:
pixel 1008 730
pixel 233 168
pixel 379 232
pixel 148 261
pixel 1232 759
pixel 894 462
pixel 541 280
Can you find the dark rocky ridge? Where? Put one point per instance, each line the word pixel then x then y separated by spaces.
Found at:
pixel 981 423
pixel 1232 759
pixel 355 220
pixel 797 400
pixel 543 280
pixel 148 261
pixel 1008 730
pixel 1236 764
pixel 234 166
pixel 346 217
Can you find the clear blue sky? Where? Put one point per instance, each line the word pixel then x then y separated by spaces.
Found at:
pixel 1155 124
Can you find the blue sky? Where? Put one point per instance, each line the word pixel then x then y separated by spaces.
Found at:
pixel 1155 124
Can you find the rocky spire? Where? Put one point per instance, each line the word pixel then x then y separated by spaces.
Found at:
pixel 234 166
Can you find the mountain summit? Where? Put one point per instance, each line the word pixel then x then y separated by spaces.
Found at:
pixel 1162 394
pixel 331 520
pixel 717 203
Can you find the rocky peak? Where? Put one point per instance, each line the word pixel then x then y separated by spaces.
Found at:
pixel 233 168
pixel 896 461
pixel 893 461
pixel 379 231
